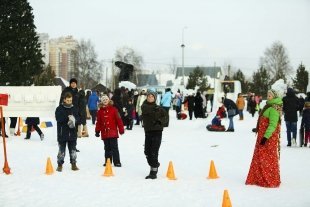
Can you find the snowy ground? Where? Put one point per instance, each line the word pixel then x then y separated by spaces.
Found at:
pixel 186 143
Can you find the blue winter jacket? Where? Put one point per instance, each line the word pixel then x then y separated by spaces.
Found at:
pixel 93 101
pixel 166 100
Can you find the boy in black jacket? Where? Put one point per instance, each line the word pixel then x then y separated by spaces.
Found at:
pixel 66 117
pixel 154 119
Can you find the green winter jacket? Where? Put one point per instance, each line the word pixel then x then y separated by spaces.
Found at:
pixel 273 115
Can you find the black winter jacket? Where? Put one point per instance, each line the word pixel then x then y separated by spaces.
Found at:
pixel 64 132
pixel 229 104
pixel 32 120
pixel 290 106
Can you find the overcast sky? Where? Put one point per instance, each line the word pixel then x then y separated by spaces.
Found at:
pixel 235 32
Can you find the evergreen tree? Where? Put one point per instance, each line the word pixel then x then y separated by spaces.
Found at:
pixel 261 82
pixel 196 78
pixel 240 77
pixel 46 78
pixel 301 80
pixel 20 54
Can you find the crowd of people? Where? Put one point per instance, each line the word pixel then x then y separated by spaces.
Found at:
pixel 113 112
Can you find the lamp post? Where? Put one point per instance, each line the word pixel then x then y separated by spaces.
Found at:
pixel 183 46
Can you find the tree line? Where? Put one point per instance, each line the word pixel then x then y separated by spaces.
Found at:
pixel 21 58
pixel 274 65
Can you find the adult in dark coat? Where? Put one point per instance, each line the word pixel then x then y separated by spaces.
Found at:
pixel 118 102
pixel 198 108
pixel 232 111
pixel 252 105
pixel 33 122
pixel 73 90
pixel 82 114
pixel 290 108
pixel 301 105
pixel 190 100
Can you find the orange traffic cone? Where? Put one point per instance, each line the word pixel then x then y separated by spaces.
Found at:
pixel 170 173
pixel 226 200
pixel 212 171
pixel 49 167
pixel 108 169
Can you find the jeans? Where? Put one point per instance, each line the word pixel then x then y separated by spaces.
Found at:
pixel 231 122
pixel 291 127
pixel 62 152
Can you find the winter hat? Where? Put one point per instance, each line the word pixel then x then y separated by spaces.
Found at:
pixel 274 93
pixel 307 104
pixel 104 97
pixel 73 80
pixel 153 94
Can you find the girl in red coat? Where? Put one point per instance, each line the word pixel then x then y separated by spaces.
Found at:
pixel 109 124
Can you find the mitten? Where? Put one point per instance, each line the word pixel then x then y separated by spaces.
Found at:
pixel 263 141
pixel 97 134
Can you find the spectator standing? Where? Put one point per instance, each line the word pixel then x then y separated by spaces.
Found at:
pixel 290 108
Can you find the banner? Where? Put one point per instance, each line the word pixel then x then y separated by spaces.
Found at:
pixel 31 101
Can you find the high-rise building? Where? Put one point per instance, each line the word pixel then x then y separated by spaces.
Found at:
pixel 62 53
pixel 44 42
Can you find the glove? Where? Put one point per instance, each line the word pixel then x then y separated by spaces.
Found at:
pixel 71 122
pixel 263 141
pixel 254 130
pixel 97 134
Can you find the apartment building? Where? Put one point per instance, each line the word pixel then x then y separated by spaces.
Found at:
pixel 62 53
pixel 44 42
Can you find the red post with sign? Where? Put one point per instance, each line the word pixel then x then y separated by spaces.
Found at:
pixel 4 101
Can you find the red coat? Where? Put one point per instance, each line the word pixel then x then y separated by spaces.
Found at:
pixel 109 122
pixel 264 170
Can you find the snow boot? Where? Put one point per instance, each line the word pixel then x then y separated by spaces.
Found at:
pixel 153 173
pixel 59 168
pixel 74 167
pixel 42 136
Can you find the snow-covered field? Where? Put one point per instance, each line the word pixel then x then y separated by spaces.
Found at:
pixel 186 143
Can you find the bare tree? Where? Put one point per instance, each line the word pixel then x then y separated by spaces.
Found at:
pixel 128 55
pixel 276 61
pixel 89 69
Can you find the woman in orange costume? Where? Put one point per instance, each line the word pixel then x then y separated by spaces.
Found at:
pixel 265 170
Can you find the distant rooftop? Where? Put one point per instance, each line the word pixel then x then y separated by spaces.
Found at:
pixel 209 71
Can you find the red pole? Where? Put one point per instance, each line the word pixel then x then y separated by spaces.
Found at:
pixel 6 168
